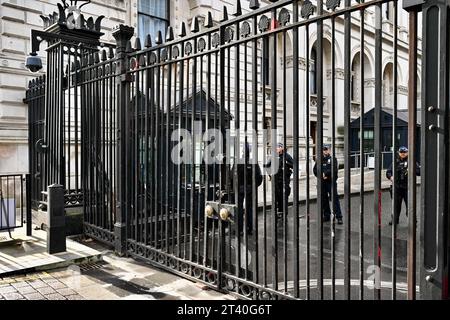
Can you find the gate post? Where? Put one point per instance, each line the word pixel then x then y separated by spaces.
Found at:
pixel 122 34
pixel 434 241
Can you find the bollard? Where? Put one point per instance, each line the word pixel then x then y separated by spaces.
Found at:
pixel 56 220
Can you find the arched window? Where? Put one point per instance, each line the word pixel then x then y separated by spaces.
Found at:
pixel 153 16
pixel 355 79
pixel 313 72
pixel 388 86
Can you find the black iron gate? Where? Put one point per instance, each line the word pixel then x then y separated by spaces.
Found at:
pixel 36 119
pixel 176 145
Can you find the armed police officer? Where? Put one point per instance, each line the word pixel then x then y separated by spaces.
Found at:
pixel 329 163
pixel 282 177
pixel 401 181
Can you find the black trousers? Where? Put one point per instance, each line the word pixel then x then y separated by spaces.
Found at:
pixel 279 199
pixel 327 192
pixel 402 196
pixel 248 209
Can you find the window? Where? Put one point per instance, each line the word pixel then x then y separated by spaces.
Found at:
pixel 312 73
pixel 153 17
pixel 368 140
pixel 354 80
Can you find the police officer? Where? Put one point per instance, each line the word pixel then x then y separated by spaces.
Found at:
pixel 401 181
pixel 329 163
pixel 282 178
pixel 245 169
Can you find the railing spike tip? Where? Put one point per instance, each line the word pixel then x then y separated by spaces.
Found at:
pixel 238 9
pixel 182 32
pixel 137 44
pixel 254 4
pixel 224 14
pixel 111 53
pixel 148 41
pixel 195 27
pixel 129 47
pixel 96 57
pixel 169 35
pixel 159 38
pixel 209 20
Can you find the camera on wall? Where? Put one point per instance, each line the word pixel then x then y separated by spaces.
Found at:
pixel 33 62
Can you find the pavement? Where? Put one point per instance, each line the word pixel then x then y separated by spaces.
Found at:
pixel 87 271
pixel 23 254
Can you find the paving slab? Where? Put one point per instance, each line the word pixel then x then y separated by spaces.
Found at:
pixel 26 254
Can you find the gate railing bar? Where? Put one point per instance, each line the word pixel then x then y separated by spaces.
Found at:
pixel 333 149
pixel 395 147
pixel 247 183
pixel 285 196
pixel 181 168
pixel 362 31
pixel 237 150
pixel 264 109
pixel 308 166
pixel 377 144
pixel 206 222
pixel 412 163
pixel 29 217
pixel 319 147
pixel 256 276
pixel 347 178
pixel 273 102
pixel 296 97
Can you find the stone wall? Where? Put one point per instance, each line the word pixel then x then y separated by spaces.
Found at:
pixel 17 18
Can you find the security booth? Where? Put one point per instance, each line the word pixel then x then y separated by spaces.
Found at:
pixel 199 181
pixel 386 137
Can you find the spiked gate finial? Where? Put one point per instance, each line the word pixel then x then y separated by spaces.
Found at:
pixel 195 25
pixel 158 39
pixel 225 14
pixel 182 32
pixel 254 4
pixel 209 20
pixel 238 10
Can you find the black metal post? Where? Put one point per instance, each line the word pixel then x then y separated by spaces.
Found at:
pixel 28 204
pixel 122 34
pixel 435 151
pixel 56 220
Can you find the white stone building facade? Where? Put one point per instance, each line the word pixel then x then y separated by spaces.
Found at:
pixel 18 17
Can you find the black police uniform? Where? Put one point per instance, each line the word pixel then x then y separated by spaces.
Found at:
pixel 401 183
pixel 245 191
pixel 327 185
pixel 282 178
